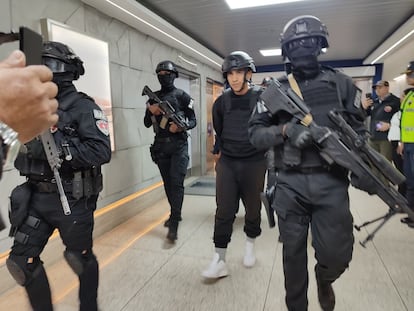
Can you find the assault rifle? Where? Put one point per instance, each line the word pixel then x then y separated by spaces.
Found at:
pixel 167 109
pixel 345 148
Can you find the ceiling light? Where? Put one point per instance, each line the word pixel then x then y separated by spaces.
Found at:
pixel 400 78
pixel 402 35
pixel 392 47
pixel 239 4
pixel 271 52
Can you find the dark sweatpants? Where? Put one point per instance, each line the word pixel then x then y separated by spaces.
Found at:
pixel 235 180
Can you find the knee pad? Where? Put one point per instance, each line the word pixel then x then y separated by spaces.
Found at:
pixel 78 261
pixel 17 266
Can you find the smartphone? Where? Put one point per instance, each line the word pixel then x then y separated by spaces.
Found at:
pixel 368 95
pixel 31 44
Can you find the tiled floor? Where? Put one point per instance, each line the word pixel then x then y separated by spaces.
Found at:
pixel 140 271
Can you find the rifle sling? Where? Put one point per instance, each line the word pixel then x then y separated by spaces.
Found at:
pixel 307 120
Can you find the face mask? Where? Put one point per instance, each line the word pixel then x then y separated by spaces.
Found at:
pixel 166 81
pixel 62 84
pixel 305 67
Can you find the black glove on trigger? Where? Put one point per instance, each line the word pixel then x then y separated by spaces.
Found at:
pixel 298 135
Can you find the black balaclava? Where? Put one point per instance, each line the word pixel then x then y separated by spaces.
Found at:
pixel 167 81
pixel 304 58
pixel 306 67
pixel 63 81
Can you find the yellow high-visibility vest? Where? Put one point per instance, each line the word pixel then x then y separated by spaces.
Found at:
pixel 407 118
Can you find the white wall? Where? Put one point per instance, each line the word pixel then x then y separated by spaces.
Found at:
pixel 133 57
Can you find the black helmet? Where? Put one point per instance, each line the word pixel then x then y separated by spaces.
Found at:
pixel 305 26
pixel 168 66
pixel 62 60
pixel 237 60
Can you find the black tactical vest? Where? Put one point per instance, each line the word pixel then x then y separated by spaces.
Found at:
pixel 33 162
pixel 236 114
pixel 321 96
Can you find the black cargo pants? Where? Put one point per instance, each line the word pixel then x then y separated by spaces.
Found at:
pixel 172 161
pixel 319 200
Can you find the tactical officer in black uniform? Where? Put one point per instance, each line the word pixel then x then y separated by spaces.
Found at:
pixel 170 148
pixel 82 138
pixel 309 192
pixel 240 167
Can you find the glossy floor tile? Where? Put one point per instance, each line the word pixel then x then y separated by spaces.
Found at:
pixel 140 270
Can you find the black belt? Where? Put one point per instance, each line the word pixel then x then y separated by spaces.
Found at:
pixel 309 170
pixel 163 140
pixel 174 138
pixel 335 170
pixel 50 187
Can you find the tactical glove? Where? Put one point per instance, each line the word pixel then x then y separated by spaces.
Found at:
pixel 299 136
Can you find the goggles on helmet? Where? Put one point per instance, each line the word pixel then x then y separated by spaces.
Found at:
pixel 54 65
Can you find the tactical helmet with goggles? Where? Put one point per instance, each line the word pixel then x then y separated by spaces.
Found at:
pixel 167 66
pixel 305 31
pixel 237 60
pixel 62 61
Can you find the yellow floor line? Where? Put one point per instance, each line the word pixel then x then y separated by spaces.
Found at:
pixel 114 256
pixel 101 211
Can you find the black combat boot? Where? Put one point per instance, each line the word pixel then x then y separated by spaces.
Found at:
pixel 172 231
pixel 167 222
pixel 326 295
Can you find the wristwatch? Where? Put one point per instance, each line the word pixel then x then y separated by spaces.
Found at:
pixel 10 145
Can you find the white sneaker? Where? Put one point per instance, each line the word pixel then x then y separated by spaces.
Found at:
pixel 216 269
pixel 249 258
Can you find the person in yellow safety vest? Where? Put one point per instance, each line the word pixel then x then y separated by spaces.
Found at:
pixel 407 140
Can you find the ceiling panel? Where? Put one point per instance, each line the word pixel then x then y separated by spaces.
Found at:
pixel 356 27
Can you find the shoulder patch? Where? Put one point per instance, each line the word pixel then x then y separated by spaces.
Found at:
pixel 357 99
pixel 103 127
pixel 99 115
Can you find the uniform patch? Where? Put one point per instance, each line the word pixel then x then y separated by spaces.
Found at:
pixel 191 104
pixel 357 100
pixel 99 115
pixel 103 126
pixel 260 107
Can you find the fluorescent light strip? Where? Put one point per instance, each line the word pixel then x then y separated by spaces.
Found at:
pixel 399 78
pixel 240 4
pixel 392 47
pixel 187 61
pixel 163 32
pixel 271 52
